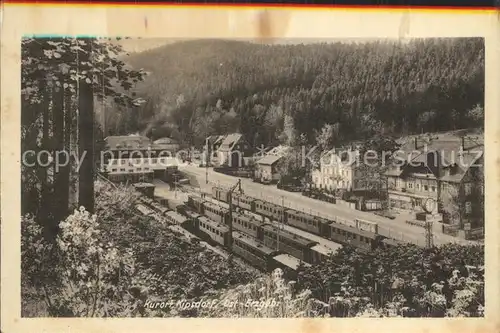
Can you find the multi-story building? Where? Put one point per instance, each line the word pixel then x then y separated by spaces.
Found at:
pixel 343 171
pixel 136 146
pixel 447 170
pixel 135 158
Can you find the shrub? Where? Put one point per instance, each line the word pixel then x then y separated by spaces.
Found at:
pixel 269 296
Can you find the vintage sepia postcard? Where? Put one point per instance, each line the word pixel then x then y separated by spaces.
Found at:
pixel 224 169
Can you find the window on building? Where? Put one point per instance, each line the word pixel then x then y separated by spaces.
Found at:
pixel 410 185
pixel 122 169
pixel 433 188
pixel 113 170
pixel 468 207
pixel 426 187
pixel 417 186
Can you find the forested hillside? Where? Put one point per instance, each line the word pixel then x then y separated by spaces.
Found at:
pixel 273 93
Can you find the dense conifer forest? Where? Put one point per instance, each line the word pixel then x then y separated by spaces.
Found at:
pixel 273 93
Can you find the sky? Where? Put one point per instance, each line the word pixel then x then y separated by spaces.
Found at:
pixel 143 44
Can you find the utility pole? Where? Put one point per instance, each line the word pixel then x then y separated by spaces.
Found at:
pixel 428 234
pixel 429 207
pixel 207 157
pixel 230 202
pixel 175 186
pixel 280 223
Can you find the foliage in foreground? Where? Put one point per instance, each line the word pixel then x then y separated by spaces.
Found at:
pixel 108 264
pixel 406 281
pixel 114 262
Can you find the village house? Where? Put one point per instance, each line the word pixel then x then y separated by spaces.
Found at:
pixel 267 170
pixel 233 151
pixel 211 148
pixel 341 170
pixel 280 150
pixel 447 170
pixel 213 143
pixel 267 167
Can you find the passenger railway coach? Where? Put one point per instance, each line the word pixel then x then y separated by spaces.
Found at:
pixel 238 199
pixel 356 232
pixel 243 201
pixel 220 194
pixel 269 210
pixel 264 257
pixel 216 231
pixel 268 235
pixel 287 242
pixel 252 250
pixel 248 225
pixel 196 202
pixel 215 212
pixel 343 234
pixel 175 218
pixel 314 224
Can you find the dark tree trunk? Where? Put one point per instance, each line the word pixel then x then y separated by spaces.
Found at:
pixel 44 215
pixel 66 170
pixel 30 202
pixel 86 134
pixel 59 209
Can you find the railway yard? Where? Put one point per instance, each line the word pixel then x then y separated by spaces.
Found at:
pixel 264 235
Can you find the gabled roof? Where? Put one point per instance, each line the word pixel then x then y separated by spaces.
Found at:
pixel 213 139
pixel 289 261
pixel 252 242
pixel 269 159
pixel 229 141
pixel 219 139
pixel 468 159
pixel 214 224
pixel 279 150
pixel 331 157
pixel 449 153
pixel 165 141
pixel 127 141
